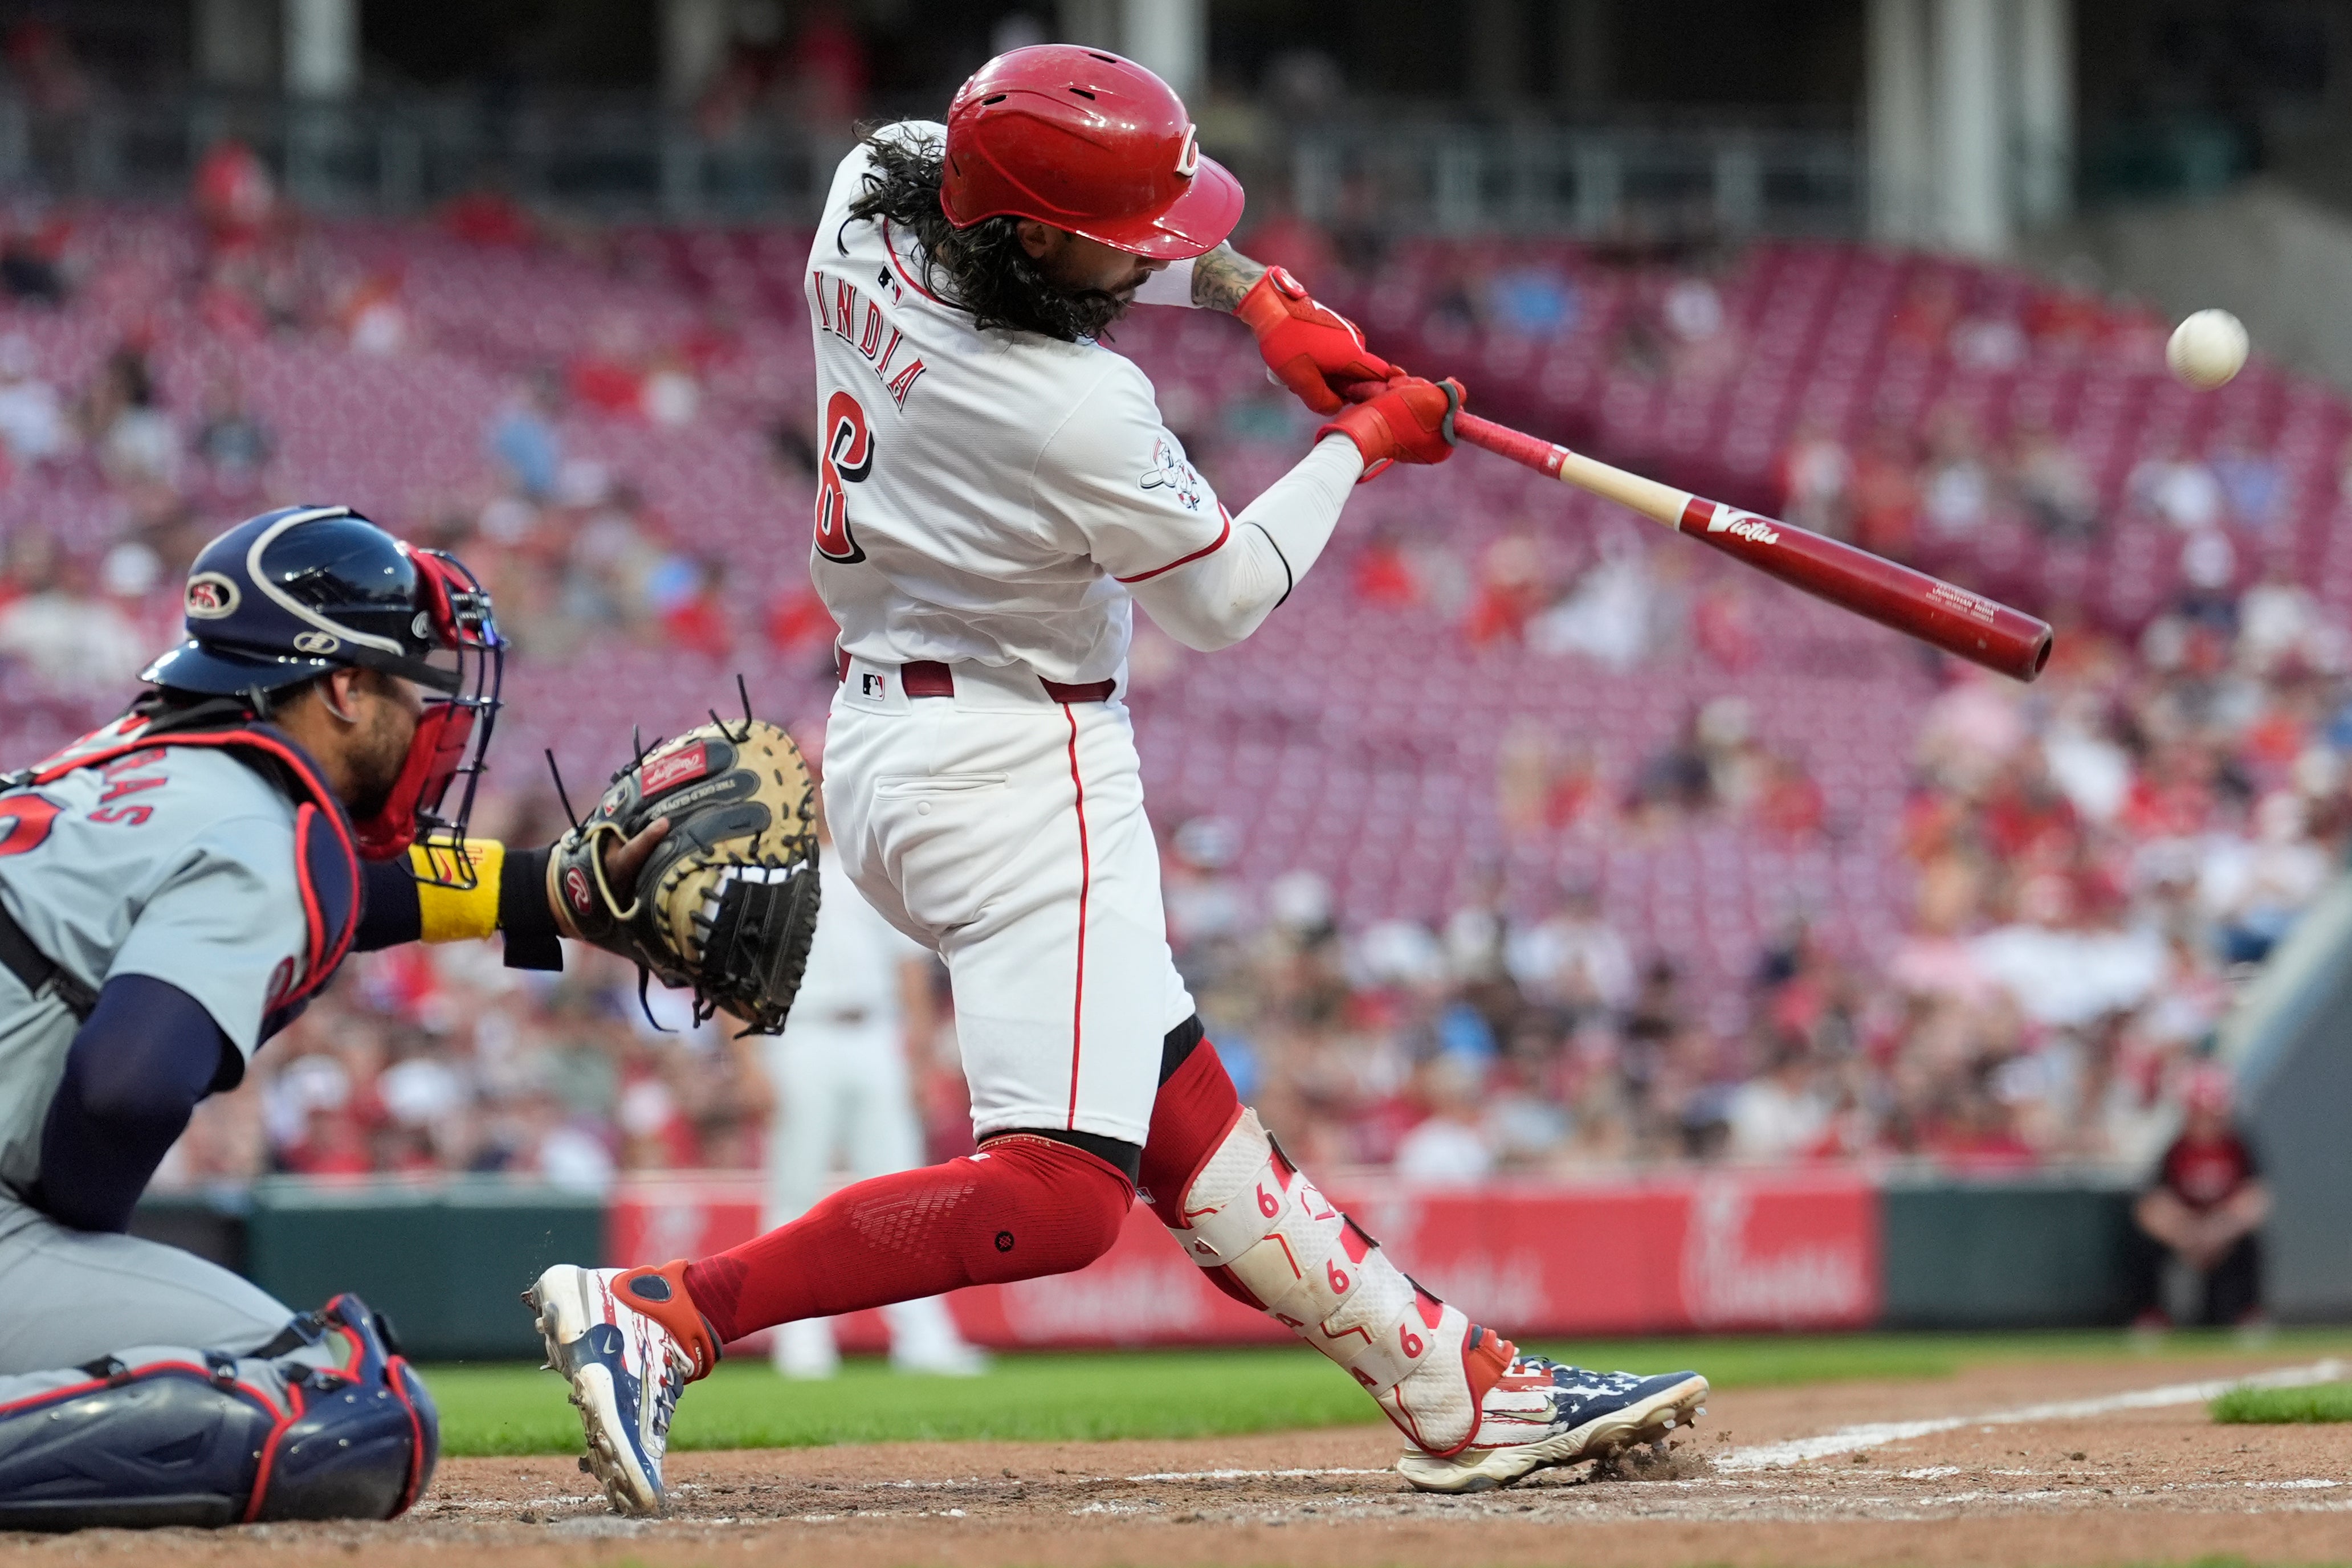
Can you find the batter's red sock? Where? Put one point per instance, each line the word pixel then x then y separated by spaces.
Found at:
pixel 1195 1109
pixel 1022 1207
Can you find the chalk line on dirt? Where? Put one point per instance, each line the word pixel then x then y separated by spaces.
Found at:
pixel 1878 1434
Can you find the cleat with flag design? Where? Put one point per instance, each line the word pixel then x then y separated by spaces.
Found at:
pixel 1541 1413
pixel 628 1341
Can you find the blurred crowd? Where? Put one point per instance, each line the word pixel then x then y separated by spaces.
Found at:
pixel 448 1062
pixel 568 549
pixel 80 622
pixel 567 540
pixel 2095 859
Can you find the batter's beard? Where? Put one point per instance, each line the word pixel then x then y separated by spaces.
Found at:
pixel 1092 310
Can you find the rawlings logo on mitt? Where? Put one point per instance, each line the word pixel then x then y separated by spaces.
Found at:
pixel 727 901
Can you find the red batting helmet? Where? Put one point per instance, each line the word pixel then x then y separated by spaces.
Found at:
pixel 1089 142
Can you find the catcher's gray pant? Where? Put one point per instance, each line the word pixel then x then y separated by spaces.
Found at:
pixel 132 1392
pixel 71 1296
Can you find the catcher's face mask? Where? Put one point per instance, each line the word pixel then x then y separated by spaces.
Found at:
pixel 462 675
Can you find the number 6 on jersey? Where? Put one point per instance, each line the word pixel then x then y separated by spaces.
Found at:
pixel 849 457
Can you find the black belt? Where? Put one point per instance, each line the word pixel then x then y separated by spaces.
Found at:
pixel 35 972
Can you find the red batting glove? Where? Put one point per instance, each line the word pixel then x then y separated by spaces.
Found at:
pixel 1410 422
pixel 1312 349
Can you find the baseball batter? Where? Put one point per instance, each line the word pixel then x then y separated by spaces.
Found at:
pixel 173 890
pixel 997 493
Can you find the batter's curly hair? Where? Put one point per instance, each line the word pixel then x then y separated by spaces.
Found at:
pixel 982 269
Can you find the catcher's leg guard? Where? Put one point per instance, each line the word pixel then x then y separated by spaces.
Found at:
pixel 1242 1212
pixel 325 1422
pixel 146 1442
pixel 361 1434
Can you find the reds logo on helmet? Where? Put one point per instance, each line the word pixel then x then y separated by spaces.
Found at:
pixel 1086 141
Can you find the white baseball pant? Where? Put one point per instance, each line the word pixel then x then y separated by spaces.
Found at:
pixel 1005 831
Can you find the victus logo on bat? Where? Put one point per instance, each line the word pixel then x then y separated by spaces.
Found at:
pixel 1744 525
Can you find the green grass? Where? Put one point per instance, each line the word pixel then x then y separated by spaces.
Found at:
pixel 503 1409
pixel 2278 1407
pixel 744 1405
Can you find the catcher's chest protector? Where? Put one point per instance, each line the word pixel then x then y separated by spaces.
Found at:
pixel 325 855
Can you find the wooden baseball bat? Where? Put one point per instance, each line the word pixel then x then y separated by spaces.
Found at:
pixel 1949 617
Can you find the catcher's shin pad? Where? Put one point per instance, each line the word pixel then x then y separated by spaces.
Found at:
pixel 728 902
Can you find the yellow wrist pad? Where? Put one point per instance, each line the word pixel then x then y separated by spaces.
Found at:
pixel 452 913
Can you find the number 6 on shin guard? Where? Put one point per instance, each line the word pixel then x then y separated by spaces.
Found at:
pixel 1283 1246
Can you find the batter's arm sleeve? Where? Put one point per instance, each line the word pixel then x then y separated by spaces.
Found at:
pixel 1171 285
pixel 1215 281
pixel 134 1073
pixel 1218 599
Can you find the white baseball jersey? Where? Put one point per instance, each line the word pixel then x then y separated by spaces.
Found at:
pixel 988 500
pixel 983 497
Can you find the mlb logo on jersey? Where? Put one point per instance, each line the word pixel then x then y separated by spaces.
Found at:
pixel 870 684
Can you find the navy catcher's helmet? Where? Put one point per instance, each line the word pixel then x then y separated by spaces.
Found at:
pixel 286 596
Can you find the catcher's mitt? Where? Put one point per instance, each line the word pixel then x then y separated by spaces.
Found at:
pixel 727 901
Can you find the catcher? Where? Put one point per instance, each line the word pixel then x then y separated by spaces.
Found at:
pixel 173 888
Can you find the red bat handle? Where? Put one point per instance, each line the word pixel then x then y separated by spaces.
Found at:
pixel 1505 442
pixel 1978 629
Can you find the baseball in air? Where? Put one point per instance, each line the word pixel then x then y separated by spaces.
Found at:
pixel 2207 349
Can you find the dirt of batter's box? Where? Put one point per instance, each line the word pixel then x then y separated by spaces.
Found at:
pixel 2151 1485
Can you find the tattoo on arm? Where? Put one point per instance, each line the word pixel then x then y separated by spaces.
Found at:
pixel 1221 278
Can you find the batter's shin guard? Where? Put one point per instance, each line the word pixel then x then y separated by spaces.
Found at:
pixel 1242 1212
